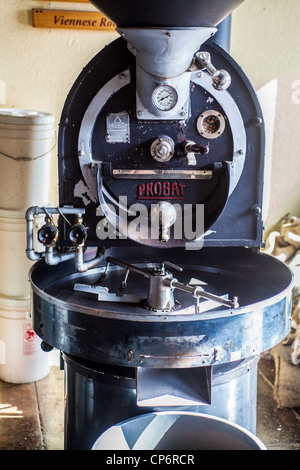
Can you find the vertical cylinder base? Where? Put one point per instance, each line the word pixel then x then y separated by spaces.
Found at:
pixel 99 396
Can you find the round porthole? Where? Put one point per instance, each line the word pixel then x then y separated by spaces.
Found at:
pixel 211 124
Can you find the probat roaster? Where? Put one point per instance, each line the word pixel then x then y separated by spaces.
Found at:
pixel 149 278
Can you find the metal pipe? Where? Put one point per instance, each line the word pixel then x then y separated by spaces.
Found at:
pixel 50 257
pixel 128 266
pixel 81 265
pixel 54 258
pixel 30 252
pixel 199 292
pixel 223 35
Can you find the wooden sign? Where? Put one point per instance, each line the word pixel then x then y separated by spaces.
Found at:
pixel 70 19
pixel 65 1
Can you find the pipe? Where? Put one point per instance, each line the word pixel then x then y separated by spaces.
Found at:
pixel 223 35
pixel 199 292
pixel 50 257
pixel 54 258
pixel 81 265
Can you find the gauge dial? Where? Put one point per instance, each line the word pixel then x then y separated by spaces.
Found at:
pixel 165 97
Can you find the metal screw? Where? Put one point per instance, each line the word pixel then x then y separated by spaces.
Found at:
pixel 216 354
pixel 257 210
pixel 130 354
pixel 258 121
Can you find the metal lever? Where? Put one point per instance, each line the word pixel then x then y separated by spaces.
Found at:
pixel 220 78
pixel 171 265
pixel 190 148
pixel 198 292
pixel 162 286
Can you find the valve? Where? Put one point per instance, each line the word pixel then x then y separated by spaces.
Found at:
pixel 78 234
pixel 190 148
pixel 47 235
pixel 162 149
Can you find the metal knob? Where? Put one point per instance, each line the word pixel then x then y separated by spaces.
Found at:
pixel 220 78
pixel 47 235
pixel 162 149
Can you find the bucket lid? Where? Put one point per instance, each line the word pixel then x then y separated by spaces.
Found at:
pixel 24 116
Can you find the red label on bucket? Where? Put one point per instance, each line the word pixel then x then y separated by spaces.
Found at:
pixel 29 340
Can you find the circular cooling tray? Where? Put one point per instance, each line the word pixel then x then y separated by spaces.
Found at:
pixel 129 334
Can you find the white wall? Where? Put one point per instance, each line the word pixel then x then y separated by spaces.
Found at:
pixel 39 66
pixel 266 43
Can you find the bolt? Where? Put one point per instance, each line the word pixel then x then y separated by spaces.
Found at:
pixel 216 354
pixel 257 210
pixel 130 354
pixel 258 121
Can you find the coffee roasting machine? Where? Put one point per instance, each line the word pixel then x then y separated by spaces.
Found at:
pixel 149 278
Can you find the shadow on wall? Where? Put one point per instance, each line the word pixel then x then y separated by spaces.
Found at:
pixel 280 101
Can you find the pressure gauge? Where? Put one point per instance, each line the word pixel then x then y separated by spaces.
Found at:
pixel 165 97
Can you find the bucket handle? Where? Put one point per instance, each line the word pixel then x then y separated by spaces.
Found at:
pixel 29 159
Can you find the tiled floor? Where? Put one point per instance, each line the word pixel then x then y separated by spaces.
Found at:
pixel 32 415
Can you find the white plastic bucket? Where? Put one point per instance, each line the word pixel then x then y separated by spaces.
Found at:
pixel 26 141
pixel 21 358
pixel 14 264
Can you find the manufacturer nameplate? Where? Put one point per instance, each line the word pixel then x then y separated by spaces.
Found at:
pixel 117 127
